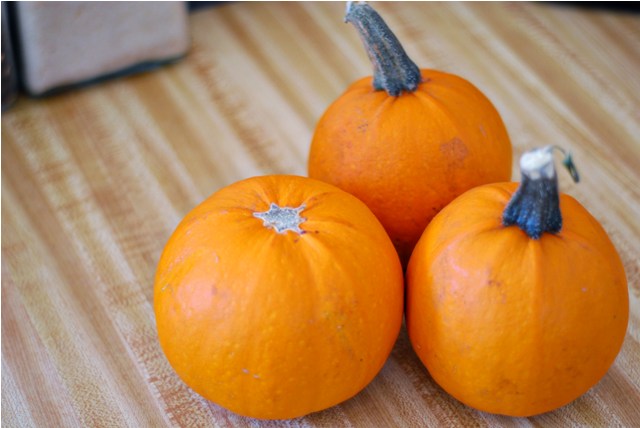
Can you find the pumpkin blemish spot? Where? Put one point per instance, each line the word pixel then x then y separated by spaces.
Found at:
pixel 456 150
pixel 282 219
pixel 494 283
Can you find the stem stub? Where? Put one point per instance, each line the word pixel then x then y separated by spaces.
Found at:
pixel 535 206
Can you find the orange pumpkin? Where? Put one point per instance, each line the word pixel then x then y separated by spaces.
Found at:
pixel 517 300
pixel 278 296
pixel 407 141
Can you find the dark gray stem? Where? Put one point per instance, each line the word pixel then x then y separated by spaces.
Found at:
pixel 535 206
pixel 393 70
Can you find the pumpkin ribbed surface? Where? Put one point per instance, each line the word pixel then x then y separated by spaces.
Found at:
pixel 408 156
pixel 513 325
pixel 278 324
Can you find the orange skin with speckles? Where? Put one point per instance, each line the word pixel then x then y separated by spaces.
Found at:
pixel 509 324
pixel 407 157
pixel 278 325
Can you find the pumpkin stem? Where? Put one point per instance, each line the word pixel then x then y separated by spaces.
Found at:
pixel 535 206
pixel 393 70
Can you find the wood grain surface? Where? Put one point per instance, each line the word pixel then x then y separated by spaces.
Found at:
pixel 95 180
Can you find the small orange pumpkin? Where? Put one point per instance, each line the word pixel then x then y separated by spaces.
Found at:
pixel 517 300
pixel 278 296
pixel 407 141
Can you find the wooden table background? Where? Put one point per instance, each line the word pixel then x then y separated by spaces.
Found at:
pixel 95 180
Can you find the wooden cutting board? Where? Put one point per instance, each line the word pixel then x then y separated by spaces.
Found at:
pixel 95 180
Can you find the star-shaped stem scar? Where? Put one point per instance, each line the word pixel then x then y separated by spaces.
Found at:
pixel 282 219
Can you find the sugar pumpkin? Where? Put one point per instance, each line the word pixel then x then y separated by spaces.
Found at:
pixel 517 300
pixel 407 141
pixel 278 296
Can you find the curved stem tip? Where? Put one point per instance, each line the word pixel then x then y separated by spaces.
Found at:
pixel 393 70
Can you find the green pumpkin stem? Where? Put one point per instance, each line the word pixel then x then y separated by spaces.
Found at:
pixel 535 206
pixel 393 70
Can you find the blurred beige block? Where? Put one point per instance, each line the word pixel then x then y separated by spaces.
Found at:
pixel 66 43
